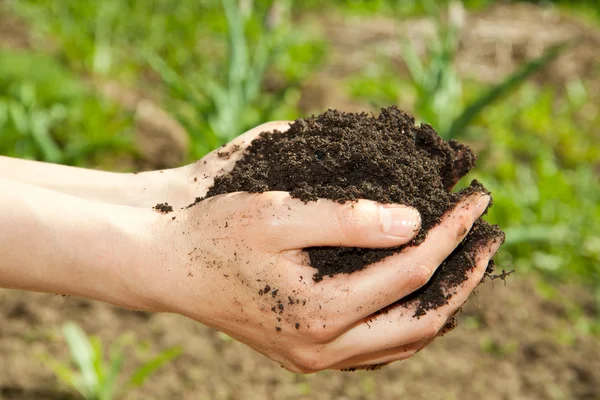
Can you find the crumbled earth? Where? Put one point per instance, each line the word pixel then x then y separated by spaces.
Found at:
pixel 164 208
pixel 350 156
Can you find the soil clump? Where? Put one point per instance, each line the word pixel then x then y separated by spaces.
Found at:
pixel 386 158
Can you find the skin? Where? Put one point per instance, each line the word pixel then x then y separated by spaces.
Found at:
pixel 94 234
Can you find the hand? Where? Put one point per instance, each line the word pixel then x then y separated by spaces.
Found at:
pixel 181 186
pixel 212 261
pixel 235 262
pixel 178 186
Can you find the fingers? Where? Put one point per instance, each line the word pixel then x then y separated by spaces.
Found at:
pixel 380 358
pixel 395 277
pixel 246 138
pixel 399 326
pixel 443 239
pixel 286 223
pixel 234 150
pixel 223 159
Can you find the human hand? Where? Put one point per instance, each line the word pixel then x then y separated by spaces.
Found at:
pixel 212 261
pixel 179 187
pixel 235 262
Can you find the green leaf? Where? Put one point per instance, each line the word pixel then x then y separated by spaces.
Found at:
pixel 169 75
pixel 3 114
pixel 78 151
pixel 117 358
pixel 142 373
pixel 83 355
pixel 238 47
pixel 99 365
pixel 40 122
pixel 414 64
pixel 60 369
pixel 511 82
pixel 19 117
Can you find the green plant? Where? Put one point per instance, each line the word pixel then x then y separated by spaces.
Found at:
pixel 46 114
pixel 216 110
pixel 438 88
pixel 108 37
pixel 402 9
pixel 434 85
pixel 539 161
pixel 96 378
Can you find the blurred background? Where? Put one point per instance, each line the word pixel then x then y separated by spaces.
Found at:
pixel 129 85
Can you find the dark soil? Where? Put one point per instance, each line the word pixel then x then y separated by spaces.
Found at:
pixel 164 208
pixel 345 157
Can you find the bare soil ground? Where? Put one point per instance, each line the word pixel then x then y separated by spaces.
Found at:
pixel 511 343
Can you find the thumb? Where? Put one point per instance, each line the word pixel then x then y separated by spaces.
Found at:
pixel 286 223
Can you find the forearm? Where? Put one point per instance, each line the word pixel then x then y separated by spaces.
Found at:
pixel 56 243
pixel 111 187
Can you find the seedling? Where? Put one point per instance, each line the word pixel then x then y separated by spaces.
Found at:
pixel 220 109
pixel 439 88
pixel 95 377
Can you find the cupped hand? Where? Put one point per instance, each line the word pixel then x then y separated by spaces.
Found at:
pixel 179 187
pixel 235 262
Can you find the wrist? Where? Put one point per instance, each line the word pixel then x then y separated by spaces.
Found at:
pixel 116 260
pixel 175 274
pixel 56 243
pixel 174 186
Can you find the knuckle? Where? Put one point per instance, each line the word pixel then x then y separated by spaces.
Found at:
pixel 418 276
pixel 433 326
pixel 264 208
pixel 352 219
pixel 307 361
pixel 322 333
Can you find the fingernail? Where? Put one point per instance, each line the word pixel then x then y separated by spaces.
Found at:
pixel 482 203
pixel 497 242
pixel 399 220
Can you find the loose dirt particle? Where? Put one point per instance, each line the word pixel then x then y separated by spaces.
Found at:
pixel 163 207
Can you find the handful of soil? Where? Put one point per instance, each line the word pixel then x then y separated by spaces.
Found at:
pixel 345 157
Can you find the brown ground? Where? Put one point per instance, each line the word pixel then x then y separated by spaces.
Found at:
pixel 510 344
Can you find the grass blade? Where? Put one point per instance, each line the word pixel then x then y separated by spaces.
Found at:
pixel 142 373
pixel 40 126
pixel 117 358
pixel 60 369
pixel 173 80
pixel 414 64
pixel 99 366
pixel 504 87
pixel 83 355
pixel 238 47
